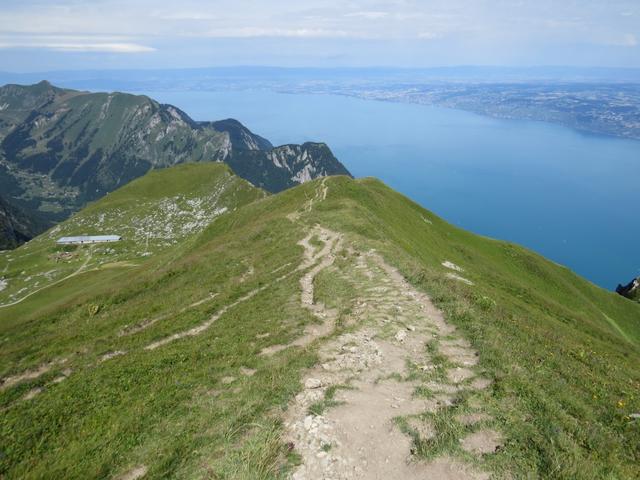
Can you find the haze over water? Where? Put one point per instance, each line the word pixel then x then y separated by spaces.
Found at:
pixel 561 193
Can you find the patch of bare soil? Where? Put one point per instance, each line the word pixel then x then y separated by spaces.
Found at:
pixel 133 474
pixel 452 266
pixel 110 355
pixel 459 374
pixel 32 393
pixel 28 375
pixel 422 427
pixel 470 419
pixel 459 278
pixel 247 372
pixel 482 441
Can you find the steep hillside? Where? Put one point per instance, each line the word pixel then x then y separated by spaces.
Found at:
pixel 61 148
pixel 335 327
pixel 16 225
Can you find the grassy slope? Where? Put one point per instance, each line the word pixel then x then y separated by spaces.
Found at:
pixel 186 199
pixel 563 353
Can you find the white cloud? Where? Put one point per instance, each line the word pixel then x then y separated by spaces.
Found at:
pixel 428 35
pixel 251 32
pixel 368 15
pixel 78 46
pixel 195 16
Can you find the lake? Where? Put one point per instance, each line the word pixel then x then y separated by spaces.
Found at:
pixel 569 196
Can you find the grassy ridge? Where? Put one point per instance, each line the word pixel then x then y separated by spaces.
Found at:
pixel 563 353
pixel 565 375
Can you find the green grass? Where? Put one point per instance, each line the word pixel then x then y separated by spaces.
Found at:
pixel 321 406
pixel 562 352
pixel 187 199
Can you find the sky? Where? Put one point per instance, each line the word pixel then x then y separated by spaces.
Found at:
pixel 39 35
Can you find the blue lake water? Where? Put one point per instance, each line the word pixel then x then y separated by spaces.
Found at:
pixel 569 196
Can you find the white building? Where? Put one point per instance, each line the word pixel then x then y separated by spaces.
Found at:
pixel 82 239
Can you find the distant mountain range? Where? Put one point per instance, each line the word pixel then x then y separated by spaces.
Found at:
pixel 60 148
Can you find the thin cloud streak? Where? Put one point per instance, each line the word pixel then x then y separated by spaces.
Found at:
pixel 78 46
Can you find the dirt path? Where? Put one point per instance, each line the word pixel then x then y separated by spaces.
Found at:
pixel 315 258
pixel 319 195
pixel 133 329
pixel 319 259
pixel 343 424
pixel 77 272
pixel 28 375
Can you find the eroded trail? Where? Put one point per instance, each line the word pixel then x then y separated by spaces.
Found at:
pixel 344 425
pixel 316 259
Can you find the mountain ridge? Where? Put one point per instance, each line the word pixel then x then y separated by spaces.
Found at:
pixel 60 148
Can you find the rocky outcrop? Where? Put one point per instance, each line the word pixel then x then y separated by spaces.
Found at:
pixel 285 166
pixel 631 290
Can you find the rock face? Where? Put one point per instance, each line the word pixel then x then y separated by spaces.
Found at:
pixel 60 149
pixel 282 167
pixel 631 290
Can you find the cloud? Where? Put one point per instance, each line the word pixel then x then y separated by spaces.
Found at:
pixel 78 46
pixel 368 15
pixel 195 16
pixel 428 35
pixel 252 32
